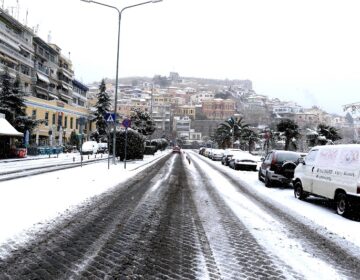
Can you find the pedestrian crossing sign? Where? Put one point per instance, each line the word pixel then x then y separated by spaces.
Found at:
pixel 110 117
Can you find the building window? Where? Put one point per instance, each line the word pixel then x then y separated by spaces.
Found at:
pixel 77 124
pixel 47 118
pixel 65 122
pixel 33 114
pixel 71 123
pixel 53 119
pixel 60 120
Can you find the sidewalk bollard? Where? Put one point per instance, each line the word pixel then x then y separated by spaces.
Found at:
pixel 49 155
pixel 73 159
pixel 95 155
pixel 57 155
pixel 101 155
pixel 88 156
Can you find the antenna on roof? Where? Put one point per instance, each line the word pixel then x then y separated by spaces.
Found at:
pixel 18 10
pixel 26 17
pixel 49 37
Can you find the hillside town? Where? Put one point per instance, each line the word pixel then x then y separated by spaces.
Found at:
pixel 184 109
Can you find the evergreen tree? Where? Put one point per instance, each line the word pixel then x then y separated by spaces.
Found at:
pixel 12 104
pixel 74 139
pixel 142 122
pixel 102 107
pixel 11 98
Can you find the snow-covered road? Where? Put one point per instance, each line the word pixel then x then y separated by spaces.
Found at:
pixel 234 224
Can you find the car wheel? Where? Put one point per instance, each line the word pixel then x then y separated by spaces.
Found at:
pixel 342 204
pixel 268 182
pixel 299 192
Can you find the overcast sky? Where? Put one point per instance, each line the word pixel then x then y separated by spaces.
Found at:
pixel 307 51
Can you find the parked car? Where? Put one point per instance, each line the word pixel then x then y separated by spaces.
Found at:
pixel 242 160
pixel 228 153
pixel 176 149
pixel 207 152
pixel 332 172
pixel 103 148
pixel 89 147
pixel 278 166
pixel 216 154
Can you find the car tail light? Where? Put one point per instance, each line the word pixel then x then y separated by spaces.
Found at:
pixel 358 188
pixel 273 163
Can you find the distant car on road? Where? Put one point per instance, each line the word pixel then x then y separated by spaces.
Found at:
pixel 202 150
pixel 278 166
pixel 242 160
pixel 228 153
pixel 176 149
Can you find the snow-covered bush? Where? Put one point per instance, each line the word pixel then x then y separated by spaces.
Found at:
pixel 160 144
pixel 135 145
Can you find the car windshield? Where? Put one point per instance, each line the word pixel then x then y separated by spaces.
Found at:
pixel 281 157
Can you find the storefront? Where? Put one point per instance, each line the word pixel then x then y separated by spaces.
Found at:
pixel 10 140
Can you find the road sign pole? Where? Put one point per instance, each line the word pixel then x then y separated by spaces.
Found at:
pixel 108 146
pixel 125 147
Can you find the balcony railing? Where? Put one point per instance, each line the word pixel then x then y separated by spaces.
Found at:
pixel 43 69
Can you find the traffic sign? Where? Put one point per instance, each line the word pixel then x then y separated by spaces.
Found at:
pixel 126 123
pixel 110 117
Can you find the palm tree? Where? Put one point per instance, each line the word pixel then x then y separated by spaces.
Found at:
pixel 250 137
pixel 232 129
pixel 289 130
pixel 329 132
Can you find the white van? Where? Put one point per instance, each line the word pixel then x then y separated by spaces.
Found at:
pixel 332 172
pixel 89 147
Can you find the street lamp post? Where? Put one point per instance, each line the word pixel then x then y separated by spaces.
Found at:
pixel 117 57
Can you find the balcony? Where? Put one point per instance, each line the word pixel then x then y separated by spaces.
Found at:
pixel 67 73
pixel 42 69
pixel 76 94
pixel 9 51
pixel 11 35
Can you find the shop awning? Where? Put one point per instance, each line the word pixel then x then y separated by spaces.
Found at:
pixel 43 78
pixel 6 129
pixel 53 96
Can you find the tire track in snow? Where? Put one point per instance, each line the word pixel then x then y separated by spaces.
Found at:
pixel 280 232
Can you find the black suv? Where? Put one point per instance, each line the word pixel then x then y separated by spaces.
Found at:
pixel 278 166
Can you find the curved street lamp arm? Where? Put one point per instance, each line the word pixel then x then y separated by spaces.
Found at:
pixel 135 5
pixel 102 4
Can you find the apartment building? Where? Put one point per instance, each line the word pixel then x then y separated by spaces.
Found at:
pixel 218 109
pixel 47 77
pixel 198 98
pixel 186 110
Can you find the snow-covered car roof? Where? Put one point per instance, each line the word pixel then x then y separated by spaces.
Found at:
pixel 242 155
